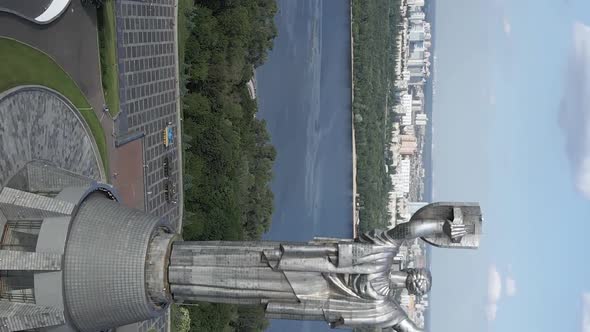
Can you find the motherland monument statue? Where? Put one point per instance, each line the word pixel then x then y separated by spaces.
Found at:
pixel 347 283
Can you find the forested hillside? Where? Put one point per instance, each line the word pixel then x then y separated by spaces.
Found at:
pixel 228 156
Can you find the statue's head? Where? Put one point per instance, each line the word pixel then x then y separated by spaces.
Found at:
pixel 418 281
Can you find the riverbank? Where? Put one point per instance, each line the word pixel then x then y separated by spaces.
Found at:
pixel 373 25
pixel 355 211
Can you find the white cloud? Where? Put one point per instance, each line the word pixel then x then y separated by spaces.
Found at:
pixel 574 116
pixel 582 180
pixel 492 310
pixel 494 292
pixel 492 100
pixel 494 284
pixel 510 285
pixel 586 312
pixel 506 26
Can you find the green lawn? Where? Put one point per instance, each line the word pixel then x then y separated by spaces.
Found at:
pixel 24 65
pixel 108 55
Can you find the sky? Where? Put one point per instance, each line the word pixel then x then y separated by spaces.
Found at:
pixel 511 132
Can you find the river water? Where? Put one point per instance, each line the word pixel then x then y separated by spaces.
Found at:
pixel 303 93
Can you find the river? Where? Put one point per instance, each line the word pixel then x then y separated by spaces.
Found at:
pixel 303 93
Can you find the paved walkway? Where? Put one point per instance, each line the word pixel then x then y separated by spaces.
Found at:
pixel 148 90
pixel 128 167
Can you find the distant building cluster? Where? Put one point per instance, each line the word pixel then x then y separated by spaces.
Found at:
pixel 415 307
pixel 404 162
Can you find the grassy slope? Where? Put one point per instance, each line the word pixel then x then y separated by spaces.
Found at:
pixel 108 55
pixel 24 65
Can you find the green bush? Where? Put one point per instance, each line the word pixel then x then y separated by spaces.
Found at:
pixel 180 316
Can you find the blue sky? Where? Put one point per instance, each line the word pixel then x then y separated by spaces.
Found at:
pixel 500 80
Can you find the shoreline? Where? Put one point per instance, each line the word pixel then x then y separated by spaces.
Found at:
pixel 355 214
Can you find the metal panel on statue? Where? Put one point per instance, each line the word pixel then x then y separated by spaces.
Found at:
pixel 468 214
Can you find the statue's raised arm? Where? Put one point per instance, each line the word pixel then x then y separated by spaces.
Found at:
pixel 448 225
pixel 461 224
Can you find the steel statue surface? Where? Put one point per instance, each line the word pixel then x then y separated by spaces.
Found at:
pixel 468 214
pixel 347 283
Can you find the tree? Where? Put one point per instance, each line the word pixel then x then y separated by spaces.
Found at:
pixel 95 3
pixel 181 321
pixel 229 157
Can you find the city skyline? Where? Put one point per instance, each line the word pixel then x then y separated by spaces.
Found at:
pixel 405 164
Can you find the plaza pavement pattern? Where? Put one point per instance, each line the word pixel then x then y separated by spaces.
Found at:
pixel 148 91
pixel 36 120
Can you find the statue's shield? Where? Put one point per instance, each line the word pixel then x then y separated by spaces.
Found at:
pixel 468 214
